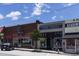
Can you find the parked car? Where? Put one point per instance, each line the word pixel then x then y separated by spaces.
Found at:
pixel 7 46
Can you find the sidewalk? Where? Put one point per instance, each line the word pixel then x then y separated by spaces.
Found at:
pixel 44 51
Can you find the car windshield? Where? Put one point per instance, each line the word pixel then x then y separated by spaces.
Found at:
pixel 6 44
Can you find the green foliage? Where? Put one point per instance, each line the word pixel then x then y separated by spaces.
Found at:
pixel 36 35
pixel 1 34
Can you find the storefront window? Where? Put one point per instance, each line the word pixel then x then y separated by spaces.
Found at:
pixel 43 42
pixel 24 42
pixel 77 42
pixel 27 41
pixel 70 43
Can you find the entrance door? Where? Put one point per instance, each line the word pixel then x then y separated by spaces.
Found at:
pixel 58 43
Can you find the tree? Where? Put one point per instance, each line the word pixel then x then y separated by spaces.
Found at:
pixel 1 35
pixel 35 36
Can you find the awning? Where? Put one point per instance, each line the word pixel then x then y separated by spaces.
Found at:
pixel 71 36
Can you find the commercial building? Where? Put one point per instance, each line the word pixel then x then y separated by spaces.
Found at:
pixel 52 32
pixel 61 34
pixel 19 35
pixel 70 40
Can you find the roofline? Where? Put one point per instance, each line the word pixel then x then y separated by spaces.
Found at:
pixel 20 25
pixel 52 22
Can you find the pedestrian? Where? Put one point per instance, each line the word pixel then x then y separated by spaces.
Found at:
pixel 58 50
pixel 57 44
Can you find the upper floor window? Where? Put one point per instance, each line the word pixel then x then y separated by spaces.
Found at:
pixel 71 24
pixel 43 27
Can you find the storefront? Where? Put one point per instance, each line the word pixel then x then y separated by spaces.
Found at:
pixel 71 44
pixel 53 33
pixel 20 35
pixel 43 44
pixel 25 42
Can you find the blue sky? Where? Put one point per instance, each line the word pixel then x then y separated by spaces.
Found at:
pixel 22 13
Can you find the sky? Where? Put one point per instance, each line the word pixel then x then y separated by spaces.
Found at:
pixel 12 14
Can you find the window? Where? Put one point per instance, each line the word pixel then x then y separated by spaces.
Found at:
pixel 71 24
pixel 70 43
pixel 45 27
pixel 42 27
pixel 65 25
pixel 77 24
pixel 60 26
pixel 27 41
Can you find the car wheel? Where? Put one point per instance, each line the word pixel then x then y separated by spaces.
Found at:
pixel 11 48
pixel 1 49
pixel 8 49
pixel 5 49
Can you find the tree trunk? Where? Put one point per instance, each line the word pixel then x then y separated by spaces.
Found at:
pixel 35 44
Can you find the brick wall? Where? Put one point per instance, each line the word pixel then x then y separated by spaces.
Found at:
pixel 26 29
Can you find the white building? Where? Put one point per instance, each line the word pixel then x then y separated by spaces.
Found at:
pixel 65 33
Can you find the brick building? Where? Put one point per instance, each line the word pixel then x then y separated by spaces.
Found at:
pixel 19 35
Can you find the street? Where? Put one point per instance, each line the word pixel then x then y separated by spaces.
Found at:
pixel 30 53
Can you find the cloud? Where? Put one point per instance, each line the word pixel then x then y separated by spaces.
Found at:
pixel 1 17
pixel 68 4
pixel 14 15
pixel 38 9
pixel 57 17
pixel 46 11
pixel 61 17
pixel 15 18
pixel 54 17
pixel 26 17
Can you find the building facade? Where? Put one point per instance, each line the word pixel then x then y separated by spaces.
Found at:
pixel 20 35
pixel 61 34
pixel 52 32
pixel 71 36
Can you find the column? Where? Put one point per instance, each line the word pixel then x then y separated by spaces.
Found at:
pixel 38 44
pixel 65 44
pixel 75 46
